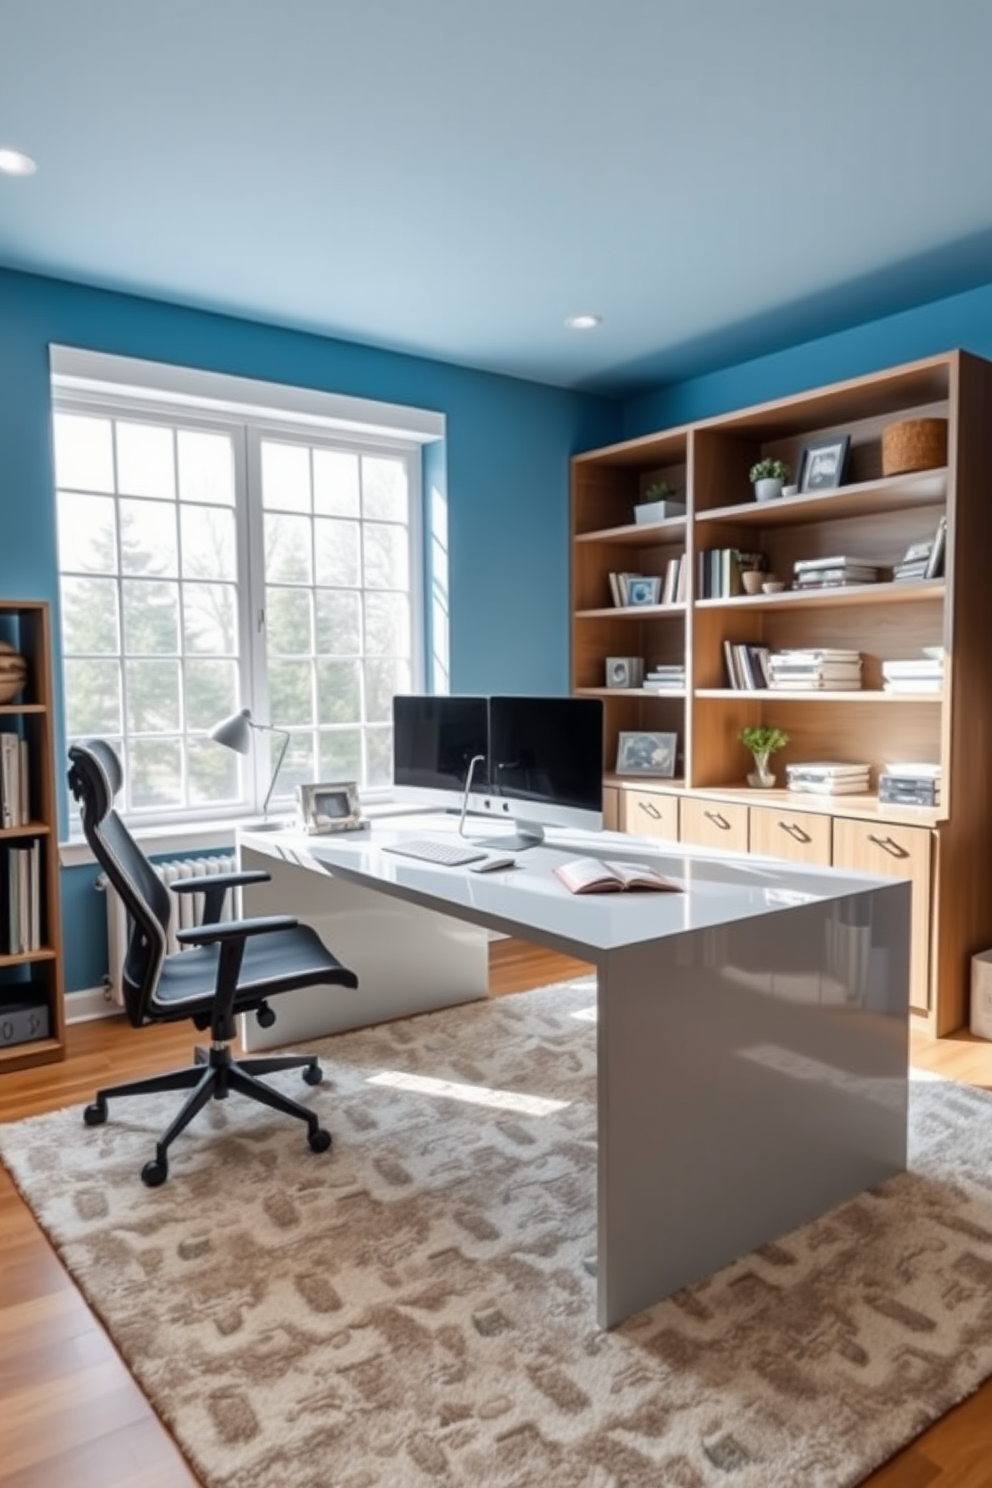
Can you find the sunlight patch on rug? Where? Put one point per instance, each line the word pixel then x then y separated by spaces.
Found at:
pixel 416 1307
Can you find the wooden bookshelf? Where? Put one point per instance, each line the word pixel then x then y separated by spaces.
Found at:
pixel 33 976
pixel 944 850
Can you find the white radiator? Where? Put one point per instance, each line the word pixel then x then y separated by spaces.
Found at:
pixel 187 910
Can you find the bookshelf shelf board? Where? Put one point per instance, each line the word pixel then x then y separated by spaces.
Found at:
pixel 639 535
pixel 868 498
pixel 819 695
pixel 31 1052
pixel 638 692
pixel 865 808
pixel 28 958
pixel 30 829
pixel 638 612
pixel 17 710
pixel 831 596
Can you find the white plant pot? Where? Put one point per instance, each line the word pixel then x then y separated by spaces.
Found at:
pixel 767 489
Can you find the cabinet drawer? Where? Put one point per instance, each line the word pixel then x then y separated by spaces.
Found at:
pixel 803 836
pixel 713 823
pixel 650 814
pixel 895 852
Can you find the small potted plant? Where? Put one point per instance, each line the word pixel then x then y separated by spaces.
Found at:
pixel 762 741
pixel 656 502
pixel 767 477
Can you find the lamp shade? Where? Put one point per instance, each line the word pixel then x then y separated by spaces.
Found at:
pixel 234 732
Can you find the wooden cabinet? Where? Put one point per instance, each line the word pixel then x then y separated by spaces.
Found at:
pixel 873 517
pixel 650 814
pixel 898 852
pixel 31 991
pixel 803 836
pixel 712 823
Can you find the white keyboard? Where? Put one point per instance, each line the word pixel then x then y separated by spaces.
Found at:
pixel 451 854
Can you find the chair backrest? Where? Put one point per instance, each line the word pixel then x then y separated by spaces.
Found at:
pixel 95 777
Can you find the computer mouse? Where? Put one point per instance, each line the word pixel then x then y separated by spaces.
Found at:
pixel 493 864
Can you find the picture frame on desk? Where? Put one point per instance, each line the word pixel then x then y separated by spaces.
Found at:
pixel 823 463
pixel 329 806
pixel 646 754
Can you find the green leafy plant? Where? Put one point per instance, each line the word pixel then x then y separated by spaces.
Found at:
pixel 769 469
pixel 656 491
pixel 761 739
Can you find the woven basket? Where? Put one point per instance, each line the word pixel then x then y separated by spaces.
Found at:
pixel 914 444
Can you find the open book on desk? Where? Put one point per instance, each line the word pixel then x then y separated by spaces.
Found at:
pixel 592 876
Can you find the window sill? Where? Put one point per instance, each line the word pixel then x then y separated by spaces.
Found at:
pixel 202 836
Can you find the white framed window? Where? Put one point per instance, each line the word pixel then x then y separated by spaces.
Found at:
pixel 216 552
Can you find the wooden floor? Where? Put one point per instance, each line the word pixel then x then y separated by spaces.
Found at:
pixel 72 1417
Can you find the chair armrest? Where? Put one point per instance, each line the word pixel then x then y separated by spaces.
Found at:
pixel 220 881
pixel 229 930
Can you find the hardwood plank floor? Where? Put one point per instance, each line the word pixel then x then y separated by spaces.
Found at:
pixel 73 1417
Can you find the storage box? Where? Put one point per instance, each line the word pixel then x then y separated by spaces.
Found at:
pixel 914 444
pixel 981 995
pixel 22 1022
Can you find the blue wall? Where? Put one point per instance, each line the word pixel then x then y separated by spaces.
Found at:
pixel 505 477
pixel 963 320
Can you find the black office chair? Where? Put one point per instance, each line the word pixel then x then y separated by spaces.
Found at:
pixel 232 967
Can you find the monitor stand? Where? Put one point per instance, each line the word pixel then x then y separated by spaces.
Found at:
pixel 525 834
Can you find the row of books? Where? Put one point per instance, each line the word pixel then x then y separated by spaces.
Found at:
pixel 15 795
pixel 20 904
pixel 720 571
pixel 747 666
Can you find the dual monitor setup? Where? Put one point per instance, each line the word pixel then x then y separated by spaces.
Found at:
pixel 534 762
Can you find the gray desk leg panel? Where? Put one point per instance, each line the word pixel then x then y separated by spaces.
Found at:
pixel 407 959
pixel 750 1077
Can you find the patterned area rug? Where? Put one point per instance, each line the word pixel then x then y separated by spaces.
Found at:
pixel 417 1306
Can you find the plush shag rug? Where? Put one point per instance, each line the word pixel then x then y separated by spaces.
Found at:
pixel 416 1307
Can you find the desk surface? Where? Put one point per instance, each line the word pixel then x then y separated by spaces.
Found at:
pixel 719 888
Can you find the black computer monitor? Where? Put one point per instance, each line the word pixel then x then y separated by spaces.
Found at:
pixel 435 739
pixel 545 765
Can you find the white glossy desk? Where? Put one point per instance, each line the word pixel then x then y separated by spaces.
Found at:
pixel 752 1036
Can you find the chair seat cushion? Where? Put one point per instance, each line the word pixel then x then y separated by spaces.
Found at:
pixel 272 963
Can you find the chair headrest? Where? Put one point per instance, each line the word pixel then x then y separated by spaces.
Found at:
pixel 96 774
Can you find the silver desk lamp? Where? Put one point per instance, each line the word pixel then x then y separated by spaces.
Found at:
pixel 235 733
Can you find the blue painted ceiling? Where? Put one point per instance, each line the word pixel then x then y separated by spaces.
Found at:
pixel 452 178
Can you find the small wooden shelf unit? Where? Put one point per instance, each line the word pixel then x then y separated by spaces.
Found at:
pixel 945 851
pixel 33 977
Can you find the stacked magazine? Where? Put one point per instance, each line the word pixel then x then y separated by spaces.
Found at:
pixel 665 677
pixel 828 778
pixel 918 674
pixel 833 573
pixel 828 670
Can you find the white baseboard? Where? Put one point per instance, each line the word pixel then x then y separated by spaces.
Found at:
pixel 90 1003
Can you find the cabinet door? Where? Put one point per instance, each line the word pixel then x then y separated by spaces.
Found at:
pixel 650 814
pixel 713 823
pixel 896 852
pixel 803 836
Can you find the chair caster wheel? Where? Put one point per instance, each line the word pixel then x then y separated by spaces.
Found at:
pixel 96 1114
pixel 266 1017
pixel 154 1173
pixel 313 1074
pixel 319 1140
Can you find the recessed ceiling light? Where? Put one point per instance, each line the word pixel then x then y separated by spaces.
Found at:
pixel 583 322
pixel 16 163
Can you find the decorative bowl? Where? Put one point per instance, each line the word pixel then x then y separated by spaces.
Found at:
pixel 772 586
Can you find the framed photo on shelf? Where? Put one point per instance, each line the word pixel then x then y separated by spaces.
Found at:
pixel 822 465
pixel 646 754
pixel 330 806
pixel 643 591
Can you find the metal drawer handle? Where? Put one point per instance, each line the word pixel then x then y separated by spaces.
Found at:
pixel 889 845
pixel 795 831
pixel 650 809
pixel 717 820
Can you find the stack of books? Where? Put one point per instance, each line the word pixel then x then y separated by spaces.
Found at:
pixel 910 785
pixel 919 674
pixel 827 670
pixel 831 573
pixel 665 677
pixel 828 778
pixel 923 560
